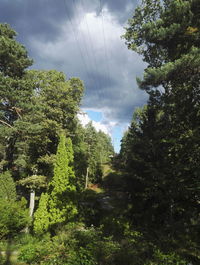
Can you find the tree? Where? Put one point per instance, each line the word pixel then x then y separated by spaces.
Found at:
pixel 7 187
pixel 61 189
pixel 13 56
pixel 105 147
pixel 13 213
pixel 98 149
pixel 55 103
pixel 14 218
pixel 41 216
pixel 164 150
pixel 33 183
pixel 59 201
pixel 14 91
pixel 34 106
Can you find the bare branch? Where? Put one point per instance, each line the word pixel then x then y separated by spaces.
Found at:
pixel 4 122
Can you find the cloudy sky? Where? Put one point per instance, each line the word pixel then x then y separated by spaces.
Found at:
pixel 82 38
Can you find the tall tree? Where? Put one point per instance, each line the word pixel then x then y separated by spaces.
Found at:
pixel 34 105
pixel 55 104
pixel 165 150
pixel 41 216
pixel 7 187
pixel 15 91
pixel 60 198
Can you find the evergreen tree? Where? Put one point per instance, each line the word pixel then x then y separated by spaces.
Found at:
pixel 41 216
pixel 59 202
pixel 13 213
pixel 34 105
pixel 98 149
pixel 7 187
pixel 55 103
pixel 15 92
pixel 163 152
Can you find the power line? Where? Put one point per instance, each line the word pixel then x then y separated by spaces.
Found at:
pixel 104 40
pixel 76 39
pixel 84 45
pixel 91 42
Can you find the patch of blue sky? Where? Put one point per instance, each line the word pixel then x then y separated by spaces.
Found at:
pixel 117 134
pixel 95 115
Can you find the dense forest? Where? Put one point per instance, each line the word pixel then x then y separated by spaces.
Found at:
pixel 65 196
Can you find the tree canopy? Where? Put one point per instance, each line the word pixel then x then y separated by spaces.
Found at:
pixel 160 151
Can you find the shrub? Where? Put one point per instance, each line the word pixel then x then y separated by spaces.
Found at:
pixel 13 217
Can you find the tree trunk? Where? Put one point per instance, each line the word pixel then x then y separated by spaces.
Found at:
pixel 86 178
pixel 32 202
pixel 31 207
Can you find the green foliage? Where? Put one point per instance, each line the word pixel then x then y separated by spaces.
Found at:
pixel 98 150
pixel 167 35
pixel 55 103
pixel 35 106
pixel 167 259
pixel 91 150
pixel 13 214
pixel 41 216
pixel 74 244
pixel 35 250
pixel 13 217
pixel 13 56
pixel 57 206
pixel 15 93
pixel 33 182
pixel 7 187
pixel 160 152
pixel 61 188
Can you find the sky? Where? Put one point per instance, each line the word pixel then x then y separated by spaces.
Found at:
pixel 82 38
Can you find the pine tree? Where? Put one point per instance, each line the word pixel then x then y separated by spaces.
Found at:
pixel 15 92
pixel 58 205
pixel 7 187
pixel 61 189
pixel 163 153
pixel 41 216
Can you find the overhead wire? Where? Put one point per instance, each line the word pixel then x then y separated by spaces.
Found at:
pixel 87 53
pixel 104 41
pixel 76 39
pixel 92 46
pixel 78 22
pixel 107 73
pixel 80 47
pixel 83 46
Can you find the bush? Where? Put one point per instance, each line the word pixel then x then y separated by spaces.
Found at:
pixel 13 217
pixel 167 259
pixel 73 245
pixel 7 187
pixel 35 250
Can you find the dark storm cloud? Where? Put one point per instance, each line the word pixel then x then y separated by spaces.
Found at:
pixel 100 81
pixel 55 31
pixel 39 18
pixel 42 18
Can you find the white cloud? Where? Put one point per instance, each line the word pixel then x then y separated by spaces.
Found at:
pixel 99 126
pixel 83 118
